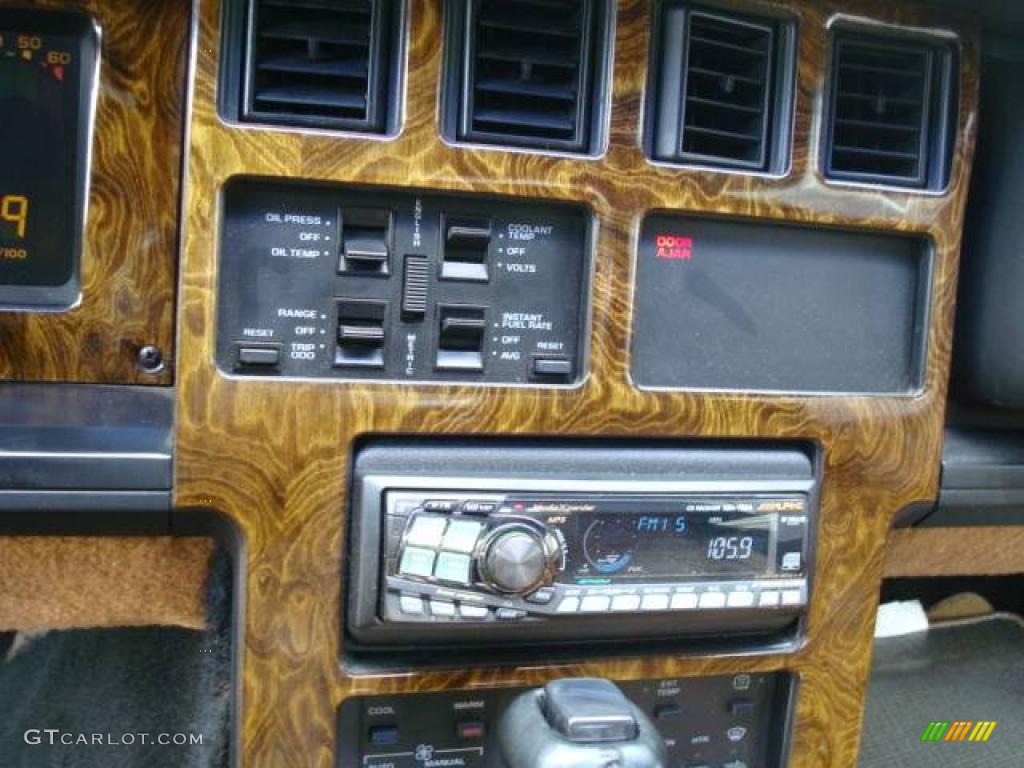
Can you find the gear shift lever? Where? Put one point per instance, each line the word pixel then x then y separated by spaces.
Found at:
pixel 578 723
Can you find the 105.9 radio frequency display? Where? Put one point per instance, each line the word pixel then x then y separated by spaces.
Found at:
pixel 47 72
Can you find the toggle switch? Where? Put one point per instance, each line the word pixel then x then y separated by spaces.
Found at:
pixel 460 342
pixel 361 334
pixel 365 241
pixel 466 241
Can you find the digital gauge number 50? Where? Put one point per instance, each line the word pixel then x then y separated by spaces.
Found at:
pixel 14 211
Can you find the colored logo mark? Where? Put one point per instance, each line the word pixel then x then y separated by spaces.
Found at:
pixel 959 730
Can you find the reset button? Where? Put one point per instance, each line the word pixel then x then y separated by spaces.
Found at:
pixel 259 356
pixel 554 367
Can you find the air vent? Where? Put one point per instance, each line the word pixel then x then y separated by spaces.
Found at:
pixel 724 82
pixel 319 63
pixel 528 72
pixel 890 110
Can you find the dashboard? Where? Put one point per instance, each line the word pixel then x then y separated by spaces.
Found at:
pixel 517 341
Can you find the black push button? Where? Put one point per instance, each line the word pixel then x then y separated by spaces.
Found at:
pixel 384 735
pixel 509 614
pixel 664 712
pixel 472 507
pixel 466 241
pixel 552 367
pixel 542 596
pixel 365 241
pixel 470 730
pixel 741 707
pixel 262 357
pixel 440 505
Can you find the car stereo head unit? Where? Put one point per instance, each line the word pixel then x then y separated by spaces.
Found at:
pixel 518 558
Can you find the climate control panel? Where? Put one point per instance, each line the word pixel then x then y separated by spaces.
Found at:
pixel 339 282
pixel 732 721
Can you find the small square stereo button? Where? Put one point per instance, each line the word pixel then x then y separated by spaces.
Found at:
pixel 426 530
pixel 417 562
pixel 462 535
pixel 452 567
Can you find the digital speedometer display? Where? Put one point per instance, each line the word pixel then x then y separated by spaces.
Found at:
pixel 47 69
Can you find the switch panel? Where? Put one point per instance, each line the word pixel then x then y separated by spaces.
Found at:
pixel 695 716
pixel 360 283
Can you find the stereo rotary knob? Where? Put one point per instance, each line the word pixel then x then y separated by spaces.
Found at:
pixel 516 560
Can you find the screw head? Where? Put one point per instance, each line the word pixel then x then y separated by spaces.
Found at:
pixel 150 359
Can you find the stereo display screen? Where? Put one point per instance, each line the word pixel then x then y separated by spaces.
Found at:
pixel 47 69
pixel 670 546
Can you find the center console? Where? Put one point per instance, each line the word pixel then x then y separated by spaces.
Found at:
pixel 637 400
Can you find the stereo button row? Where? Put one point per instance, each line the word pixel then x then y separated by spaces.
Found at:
pixel 681 601
pixel 413 605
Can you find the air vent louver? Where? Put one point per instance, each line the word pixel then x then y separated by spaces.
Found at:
pixel 530 71
pixel 324 63
pixel 889 111
pixel 721 89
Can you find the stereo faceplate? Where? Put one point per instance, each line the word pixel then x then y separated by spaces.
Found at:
pixel 531 558
pixel 521 556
